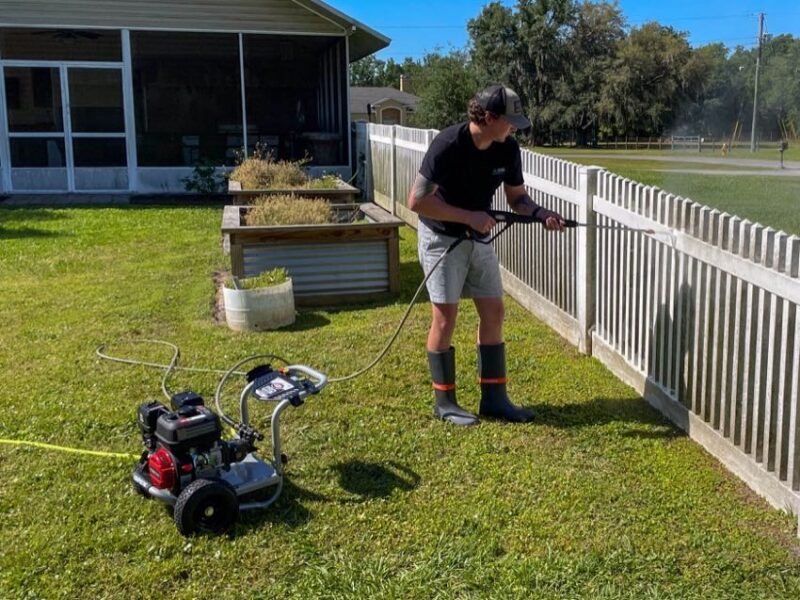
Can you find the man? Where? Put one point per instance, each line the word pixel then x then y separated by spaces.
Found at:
pixel 460 173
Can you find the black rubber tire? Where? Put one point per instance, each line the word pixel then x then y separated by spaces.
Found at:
pixel 206 505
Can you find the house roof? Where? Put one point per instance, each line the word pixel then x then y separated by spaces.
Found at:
pixel 363 39
pixel 301 17
pixel 361 96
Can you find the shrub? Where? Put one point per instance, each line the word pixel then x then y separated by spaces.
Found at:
pixel 288 210
pixel 324 182
pixel 204 178
pixel 275 276
pixel 261 171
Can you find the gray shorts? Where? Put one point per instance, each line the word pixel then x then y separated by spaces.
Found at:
pixel 471 270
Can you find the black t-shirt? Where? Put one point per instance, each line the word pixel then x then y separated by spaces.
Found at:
pixel 468 177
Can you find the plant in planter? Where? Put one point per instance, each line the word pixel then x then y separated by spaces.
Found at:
pixel 262 175
pixel 265 301
pixel 286 210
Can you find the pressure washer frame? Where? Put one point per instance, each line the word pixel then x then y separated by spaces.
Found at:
pixel 252 474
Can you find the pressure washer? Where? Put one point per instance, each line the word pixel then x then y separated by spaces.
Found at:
pixel 207 480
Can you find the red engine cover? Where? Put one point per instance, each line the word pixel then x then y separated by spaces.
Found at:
pixel 161 468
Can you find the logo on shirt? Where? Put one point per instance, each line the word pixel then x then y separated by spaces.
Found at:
pixel 499 171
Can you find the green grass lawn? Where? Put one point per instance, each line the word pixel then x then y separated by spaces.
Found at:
pixel 771 201
pixel 599 497
pixel 765 152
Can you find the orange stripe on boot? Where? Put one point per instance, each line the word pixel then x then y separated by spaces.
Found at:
pixel 444 387
pixel 492 380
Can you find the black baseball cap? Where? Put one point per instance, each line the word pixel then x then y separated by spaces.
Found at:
pixel 505 102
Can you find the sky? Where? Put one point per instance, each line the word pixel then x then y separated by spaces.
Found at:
pixel 417 27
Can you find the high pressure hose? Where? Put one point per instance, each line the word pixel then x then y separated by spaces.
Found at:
pixel 506 218
pixel 391 341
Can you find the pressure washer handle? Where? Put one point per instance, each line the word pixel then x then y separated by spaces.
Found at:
pixel 318 379
pixel 503 216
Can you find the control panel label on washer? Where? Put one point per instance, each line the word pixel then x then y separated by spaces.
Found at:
pixel 275 387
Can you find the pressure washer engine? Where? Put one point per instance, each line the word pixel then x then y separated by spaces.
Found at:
pixel 206 479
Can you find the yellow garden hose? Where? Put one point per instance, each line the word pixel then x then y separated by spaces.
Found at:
pixel 67 449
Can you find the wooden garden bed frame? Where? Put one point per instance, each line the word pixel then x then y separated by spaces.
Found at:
pixel 330 264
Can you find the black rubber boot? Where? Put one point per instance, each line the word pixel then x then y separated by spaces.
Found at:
pixel 494 399
pixel 443 372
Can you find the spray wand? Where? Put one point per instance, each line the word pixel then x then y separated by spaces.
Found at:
pixel 510 218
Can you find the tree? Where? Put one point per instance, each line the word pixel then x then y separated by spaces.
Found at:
pixel 780 87
pixel 531 50
pixel 374 72
pixel 590 50
pixel 496 49
pixel 366 72
pixel 445 84
pixel 544 29
pixel 705 84
pixel 643 91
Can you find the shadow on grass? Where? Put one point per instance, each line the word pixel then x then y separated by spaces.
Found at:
pixel 307 320
pixel 602 411
pixel 27 232
pixel 372 480
pixel 10 214
pixel 288 509
pixel 366 481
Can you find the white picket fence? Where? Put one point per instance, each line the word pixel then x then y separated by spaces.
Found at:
pixel 702 316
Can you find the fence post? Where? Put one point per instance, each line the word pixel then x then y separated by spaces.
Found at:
pixel 587 259
pixel 393 171
pixel 369 190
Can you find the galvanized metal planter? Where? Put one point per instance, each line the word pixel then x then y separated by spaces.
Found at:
pixel 342 193
pixel 259 309
pixel 338 263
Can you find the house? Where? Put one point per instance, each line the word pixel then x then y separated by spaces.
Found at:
pixel 385 105
pixel 117 95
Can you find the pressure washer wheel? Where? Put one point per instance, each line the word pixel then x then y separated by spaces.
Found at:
pixel 206 505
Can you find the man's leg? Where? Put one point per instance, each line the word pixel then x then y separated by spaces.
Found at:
pixel 442 362
pixel 491 313
pixel 443 323
pixel 492 364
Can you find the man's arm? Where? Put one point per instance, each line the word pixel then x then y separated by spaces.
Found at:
pixel 424 200
pixel 521 203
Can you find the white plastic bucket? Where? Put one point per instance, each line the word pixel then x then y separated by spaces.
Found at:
pixel 259 309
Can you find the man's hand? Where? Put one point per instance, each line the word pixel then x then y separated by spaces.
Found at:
pixel 521 203
pixel 552 220
pixel 481 221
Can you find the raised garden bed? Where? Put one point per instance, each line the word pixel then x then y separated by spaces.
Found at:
pixel 356 260
pixel 343 193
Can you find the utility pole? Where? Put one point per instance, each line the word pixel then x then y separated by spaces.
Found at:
pixel 755 91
